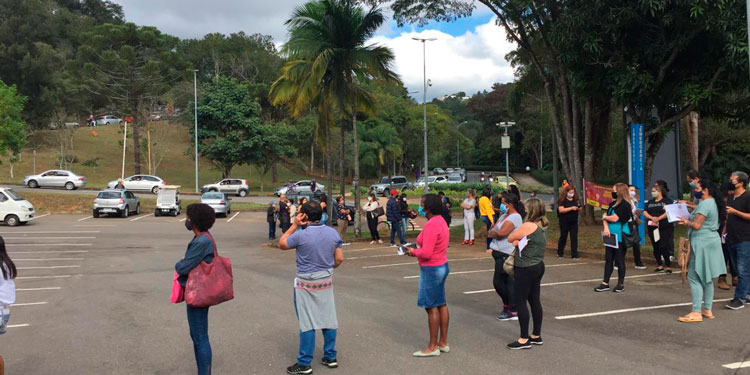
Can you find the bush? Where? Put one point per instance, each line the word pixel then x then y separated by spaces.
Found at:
pixel 461 188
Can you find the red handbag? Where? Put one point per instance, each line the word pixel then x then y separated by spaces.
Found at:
pixel 210 284
pixel 178 292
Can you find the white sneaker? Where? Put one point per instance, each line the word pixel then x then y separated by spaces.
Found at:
pixel 372 242
pixel 345 244
pixel 640 267
pixel 394 245
pixel 380 241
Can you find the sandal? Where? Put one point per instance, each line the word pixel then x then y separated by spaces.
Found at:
pixel 710 316
pixel 690 319
pixel 471 242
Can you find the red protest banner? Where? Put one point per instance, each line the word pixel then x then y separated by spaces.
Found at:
pixel 597 195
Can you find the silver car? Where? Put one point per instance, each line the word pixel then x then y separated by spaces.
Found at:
pixel 300 186
pixel 220 202
pixel 235 186
pixel 140 182
pixel 108 119
pixel 116 202
pixel 55 178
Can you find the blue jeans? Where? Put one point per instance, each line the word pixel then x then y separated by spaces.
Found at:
pixel 307 346
pixel 271 230
pixel 486 221
pixel 396 228
pixel 198 323
pixel 404 225
pixel 324 218
pixel 741 250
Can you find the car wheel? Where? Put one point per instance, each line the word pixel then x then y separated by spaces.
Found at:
pixel 125 212
pixel 33 184
pixel 95 214
pixel 156 212
pixel 212 190
pixel 155 190
pixel 11 220
pixel 243 193
pixel 70 186
pixel 138 209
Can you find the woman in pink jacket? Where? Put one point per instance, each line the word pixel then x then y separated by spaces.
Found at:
pixel 433 270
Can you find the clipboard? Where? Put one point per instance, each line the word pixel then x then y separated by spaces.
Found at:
pixel 657 235
pixel 610 241
pixel 522 244
pixel 676 212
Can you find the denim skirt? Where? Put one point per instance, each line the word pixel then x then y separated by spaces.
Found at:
pixel 432 285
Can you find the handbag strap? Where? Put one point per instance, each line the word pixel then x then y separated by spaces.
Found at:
pixel 213 242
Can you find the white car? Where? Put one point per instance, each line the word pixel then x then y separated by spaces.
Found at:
pixel 431 180
pixel 108 119
pixel 140 182
pixel 55 178
pixel 235 186
pixel 454 178
pixel 300 186
pixel 14 210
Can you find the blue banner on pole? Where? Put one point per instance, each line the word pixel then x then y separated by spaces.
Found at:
pixel 637 169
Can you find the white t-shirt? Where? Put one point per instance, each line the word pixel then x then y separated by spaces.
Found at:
pixel 7 289
pixel 503 245
pixel 471 202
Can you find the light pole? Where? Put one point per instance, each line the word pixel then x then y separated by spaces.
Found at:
pixel 195 130
pixel 505 143
pixel 424 104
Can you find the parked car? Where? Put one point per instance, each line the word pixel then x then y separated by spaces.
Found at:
pixel 505 181
pixel 14 210
pixel 397 182
pixel 454 178
pixel 168 201
pixel 108 119
pixel 116 202
pixel 140 182
pixel 300 186
pixel 234 186
pixel 430 180
pixel 55 178
pixel 220 202
pixel 438 171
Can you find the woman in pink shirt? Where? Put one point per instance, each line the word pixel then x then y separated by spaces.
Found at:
pixel 433 270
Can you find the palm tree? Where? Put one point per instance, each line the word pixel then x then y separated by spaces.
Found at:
pixel 329 63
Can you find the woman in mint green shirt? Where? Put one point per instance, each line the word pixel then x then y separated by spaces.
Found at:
pixel 706 256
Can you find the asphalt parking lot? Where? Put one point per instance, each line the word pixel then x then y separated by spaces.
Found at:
pixel 93 298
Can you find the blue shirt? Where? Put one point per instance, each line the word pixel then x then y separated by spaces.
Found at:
pixel 199 249
pixel 315 246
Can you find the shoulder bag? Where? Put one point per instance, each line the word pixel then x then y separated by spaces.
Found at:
pixel 683 258
pixel 633 238
pixel 510 262
pixel 378 212
pixel 210 284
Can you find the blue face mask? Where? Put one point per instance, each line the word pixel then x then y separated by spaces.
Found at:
pixel 692 184
pixel 698 194
pixel 421 212
pixel 503 208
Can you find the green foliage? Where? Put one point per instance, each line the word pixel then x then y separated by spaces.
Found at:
pixel 462 187
pixel 230 132
pixel 12 127
pixel 379 144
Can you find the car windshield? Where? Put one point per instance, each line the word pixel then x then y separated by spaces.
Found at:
pixel 432 179
pixel 13 195
pixel 108 195
pixel 384 180
pixel 213 196
pixel 454 178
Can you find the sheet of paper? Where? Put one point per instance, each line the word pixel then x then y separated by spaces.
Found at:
pixel 657 235
pixel 677 212
pixel 610 241
pixel 522 244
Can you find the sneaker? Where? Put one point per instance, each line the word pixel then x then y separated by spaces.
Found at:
pixel 346 244
pixel 380 241
pixel 619 288
pixel 735 304
pixel 372 242
pixel 507 315
pixel 559 255
pixel 617 268
pixel 640 267
pixel 515 345
pixel 668 270
pixel 659 269
pixel 298 369
pixel 602 288
pixel 536 341
pixel 330 363
pixel 575 258
pixel 394 245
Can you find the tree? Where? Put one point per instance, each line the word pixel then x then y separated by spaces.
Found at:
pixel 380 143
pixel 330 62
pixel 277 145
pixel 230 133
pixel 131 66
pixel 12 126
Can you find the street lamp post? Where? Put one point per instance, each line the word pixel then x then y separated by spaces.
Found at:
pixel 195 130
pixel 424 104
pixel 505 143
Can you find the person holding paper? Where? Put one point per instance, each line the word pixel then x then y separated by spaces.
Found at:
pixel 660 230
pixel 433 271
pixel 615 222
pixel 528 272
pixel 738 237
pixel 507 223
pixel 706 258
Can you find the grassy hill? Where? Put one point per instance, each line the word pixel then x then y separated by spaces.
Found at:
pixel 170 156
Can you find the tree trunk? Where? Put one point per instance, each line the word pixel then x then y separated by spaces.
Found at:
pixel 329 165
pixel 274 173
pixel 691 135
pixel 355 183
pixel 312 156
pixel 342 176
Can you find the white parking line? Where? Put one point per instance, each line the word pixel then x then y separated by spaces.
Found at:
pixel 373 256
pixel 48 252
pixel 573 282
pixel 620 311
pixel 94 225
pixel 28 304
pixel 85 218
pixel 141 217
pixel 49 244
pixel 48 238
pixel 233 216
pixel 370 248
pixel 17 325
pixel 42 277
pixel 37 289
pixel 183 219
pixel 41 216
pixel 412 263
pixel 737 365
pixel 492 270
pixel 54 231
pixel 44 259
pixel 46 267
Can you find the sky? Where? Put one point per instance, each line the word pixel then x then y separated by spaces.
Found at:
pixel 468 55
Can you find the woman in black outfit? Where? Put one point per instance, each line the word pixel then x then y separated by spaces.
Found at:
pixel 615 222
pixel 567 211
pixel 372 218
pixel 657 222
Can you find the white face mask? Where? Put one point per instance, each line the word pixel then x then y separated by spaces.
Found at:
pixel 571 195
pixel 632 194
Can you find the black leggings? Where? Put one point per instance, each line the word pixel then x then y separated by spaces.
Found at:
pixel 503 282
pixel 568 226
pixel 662 248
pixel 615 256
pixel 372 224
pixel 528 287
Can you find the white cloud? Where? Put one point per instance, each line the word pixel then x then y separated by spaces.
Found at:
pixel 470 62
